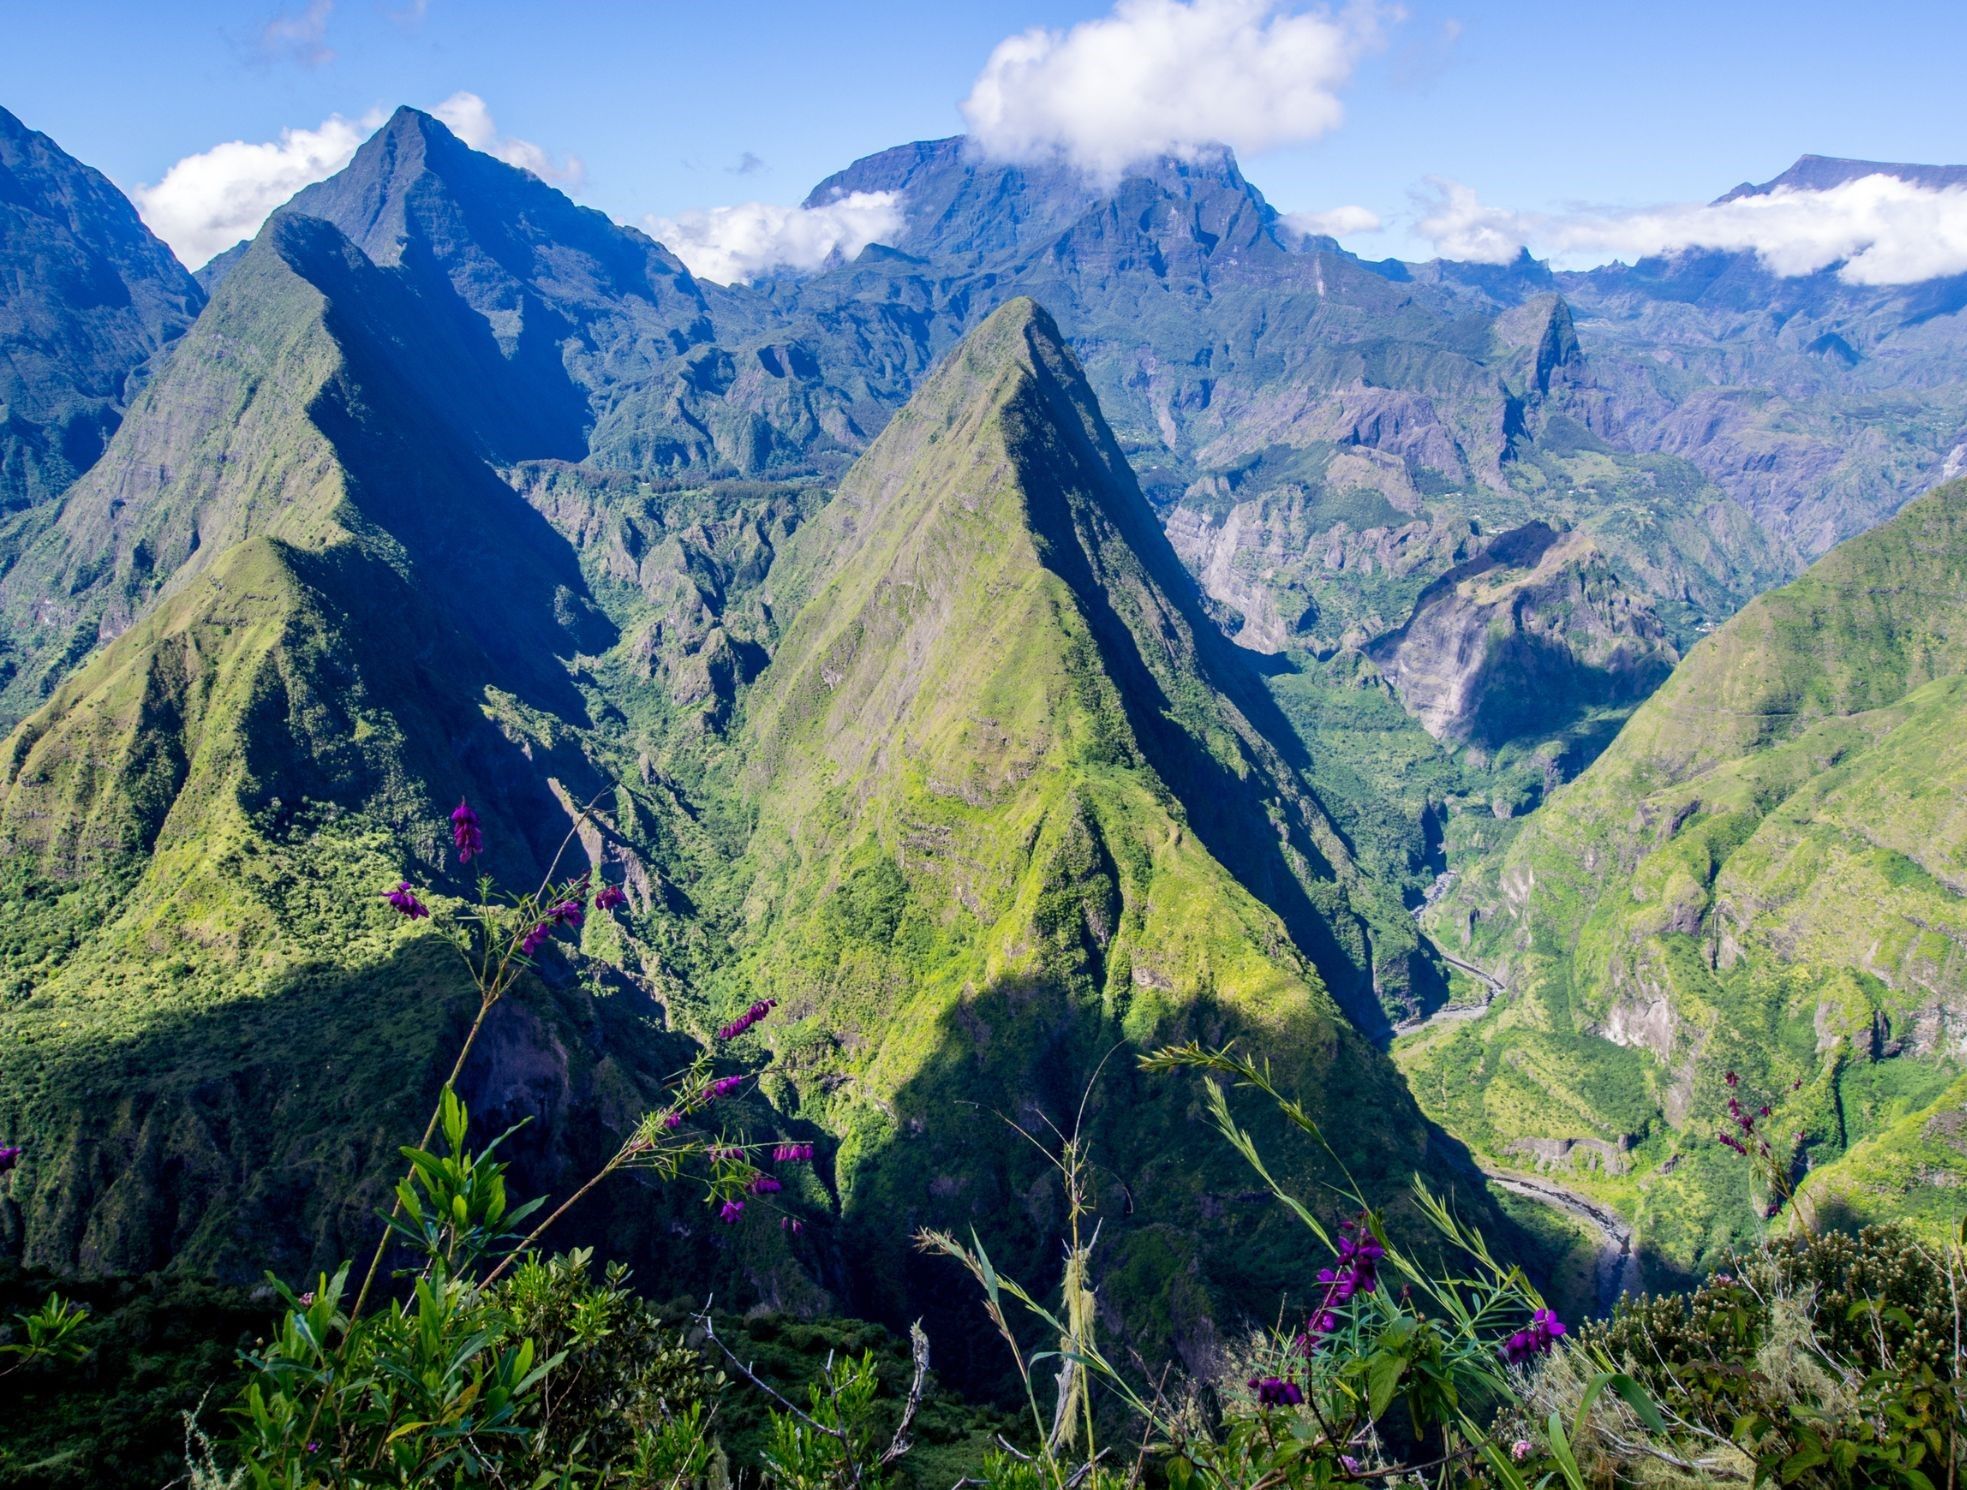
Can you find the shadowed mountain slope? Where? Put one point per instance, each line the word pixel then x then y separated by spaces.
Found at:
pixel 87 297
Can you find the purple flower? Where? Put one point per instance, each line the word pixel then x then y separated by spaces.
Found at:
pixel 1520 1450
pixel 1275 1391
pixel 1545 1328
pixel 1763 1110
pixel 567 913
pixel 535 938
pixel 1732 1079
pixel 672 1121
pixel 1349 1464
pixel 610 897
pixel 722 1087
pixel 747 1019
pixel 9 1156
pixel 405 900
pixel 792 1224
pixel 792 1153
pixel 764 1184
pixel 464 832
pixel 730 1211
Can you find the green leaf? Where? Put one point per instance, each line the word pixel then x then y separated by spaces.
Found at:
pixel 1383 1373
pixel 1808 1457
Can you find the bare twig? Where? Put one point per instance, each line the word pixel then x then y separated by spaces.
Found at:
pixel 918 1344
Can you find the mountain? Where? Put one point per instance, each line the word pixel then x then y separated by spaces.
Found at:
pixel 993 705
pixel 1323 438
pixel 1824 172
pixel 1764 872
pixel 1532 635
pixel 87 297
pixel 329 619
pixel 1818 404
pixel 1015 812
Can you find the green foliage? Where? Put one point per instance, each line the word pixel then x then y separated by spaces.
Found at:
pixel 1828 1361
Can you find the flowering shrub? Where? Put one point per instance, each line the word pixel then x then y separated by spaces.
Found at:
pixel 1775 1160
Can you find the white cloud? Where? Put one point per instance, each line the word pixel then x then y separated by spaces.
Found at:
pixel 207 202
pixel 300 35
pixel 1337 222
pixel 1878 229
pixel 1170 77
pixel 733 245
pixel 471 121
pixel 1461 227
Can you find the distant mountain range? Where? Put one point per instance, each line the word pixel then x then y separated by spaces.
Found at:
pixel 1096 617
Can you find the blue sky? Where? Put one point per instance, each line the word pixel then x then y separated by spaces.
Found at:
pixel 1535 106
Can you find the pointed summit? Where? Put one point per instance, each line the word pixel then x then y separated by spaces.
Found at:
pixel 1013 810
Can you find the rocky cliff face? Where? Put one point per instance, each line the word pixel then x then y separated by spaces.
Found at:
pixel 1524 639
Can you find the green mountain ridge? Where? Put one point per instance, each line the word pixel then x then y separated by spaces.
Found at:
pixel 1010 819
pixel 212 1019
pixel 1763 872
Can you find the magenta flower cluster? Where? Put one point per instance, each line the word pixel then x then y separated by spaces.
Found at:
pixel 1743 1120
pixel 405 900
pixel 792 1153
pixel 1358 1272
pixel 465 832
pixel 747 1019
pixel 610 897
pixel 764 1184
pixel 1543 1332
pixel 1275 1391
pixel 9 1156
pixel 729 1212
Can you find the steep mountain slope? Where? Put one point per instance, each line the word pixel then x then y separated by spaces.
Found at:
pixel 1764 872
pixel 1012 815
pixel 209 1017
pixel 87 296
pixel 1534 634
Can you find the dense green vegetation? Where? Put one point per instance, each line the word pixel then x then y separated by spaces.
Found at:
pixel 1762 873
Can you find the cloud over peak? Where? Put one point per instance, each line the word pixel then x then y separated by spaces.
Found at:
pixel 1168 77
pixel 1876 230
pixel 735 245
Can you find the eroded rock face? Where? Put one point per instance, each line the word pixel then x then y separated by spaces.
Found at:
pixel 1530 634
